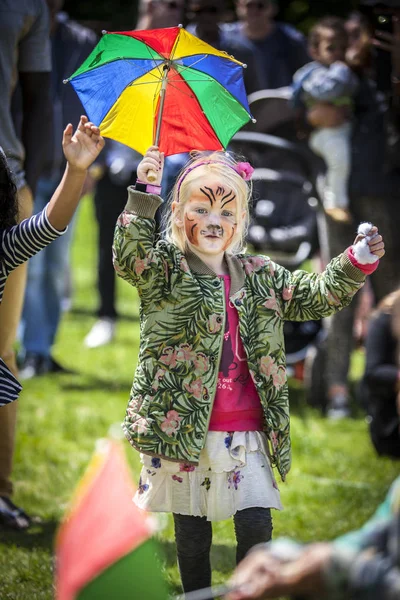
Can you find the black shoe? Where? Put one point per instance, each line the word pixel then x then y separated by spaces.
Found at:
pixel 12 516
pixel 33 366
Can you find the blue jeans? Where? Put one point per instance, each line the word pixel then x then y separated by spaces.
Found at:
pixel 46 283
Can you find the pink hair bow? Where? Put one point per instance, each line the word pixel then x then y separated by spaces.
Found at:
pixel 245 170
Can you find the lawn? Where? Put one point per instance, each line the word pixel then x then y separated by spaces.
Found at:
pixel 335 483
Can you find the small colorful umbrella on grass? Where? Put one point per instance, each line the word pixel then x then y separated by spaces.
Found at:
pixel 104 548
pixel 163 87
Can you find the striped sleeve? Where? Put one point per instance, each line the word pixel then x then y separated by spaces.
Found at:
pixel 22 241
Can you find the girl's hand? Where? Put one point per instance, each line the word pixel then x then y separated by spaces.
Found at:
pixel 376 243
pixel 82 147
pixel 152 161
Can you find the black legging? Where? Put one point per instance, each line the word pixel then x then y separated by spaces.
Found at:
pixel 193 537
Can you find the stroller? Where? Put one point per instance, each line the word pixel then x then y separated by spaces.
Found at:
pixel 286 202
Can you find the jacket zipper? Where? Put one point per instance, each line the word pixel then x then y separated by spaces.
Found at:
pixel 218 363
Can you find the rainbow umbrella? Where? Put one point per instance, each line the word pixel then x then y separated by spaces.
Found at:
pixel 163 87
pixel 104 547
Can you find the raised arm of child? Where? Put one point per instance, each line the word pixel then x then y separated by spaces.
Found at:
pixel 80 149
pixel 136 257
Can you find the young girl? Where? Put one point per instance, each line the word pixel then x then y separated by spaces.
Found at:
pixel 18 242
pixel 209 404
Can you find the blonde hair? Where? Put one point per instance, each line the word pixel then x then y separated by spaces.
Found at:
pixel 203 164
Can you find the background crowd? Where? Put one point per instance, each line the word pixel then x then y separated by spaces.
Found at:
pixel 40 46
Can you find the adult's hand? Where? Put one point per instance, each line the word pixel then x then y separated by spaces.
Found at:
pixel 358 54
pixel 256 576
pixel 326 115
pixel 260 575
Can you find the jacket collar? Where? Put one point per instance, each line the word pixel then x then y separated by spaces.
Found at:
pixel 235 268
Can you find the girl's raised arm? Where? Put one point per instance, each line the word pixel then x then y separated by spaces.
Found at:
pixel 80 149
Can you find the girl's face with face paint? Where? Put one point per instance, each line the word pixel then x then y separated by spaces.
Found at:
pixel 209 217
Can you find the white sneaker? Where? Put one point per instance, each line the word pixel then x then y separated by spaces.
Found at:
pixel 102 333
pixel 338 408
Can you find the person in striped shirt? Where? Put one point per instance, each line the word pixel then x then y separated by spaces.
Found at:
pixel 20 241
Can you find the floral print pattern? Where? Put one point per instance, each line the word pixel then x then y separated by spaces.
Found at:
pixel 228 440
pixel 186 468
pixel 234 479
pixel 171 423
pixel 206 483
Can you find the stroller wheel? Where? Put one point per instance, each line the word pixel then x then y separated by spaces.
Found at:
pixel 315 376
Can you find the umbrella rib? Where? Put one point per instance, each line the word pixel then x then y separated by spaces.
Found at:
pixel 186 67
pixel 153 59
pixel 170 81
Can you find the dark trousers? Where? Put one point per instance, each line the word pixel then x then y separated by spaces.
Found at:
pixel 334 238
pixel 110 199
pixel 193 537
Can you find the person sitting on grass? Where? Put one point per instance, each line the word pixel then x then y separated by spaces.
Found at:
pixel 20 241
pixel 209 407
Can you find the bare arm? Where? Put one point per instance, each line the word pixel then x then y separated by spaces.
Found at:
pixel 80 150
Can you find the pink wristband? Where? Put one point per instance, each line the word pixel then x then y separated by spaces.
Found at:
pixel 148 188
pixel 367 269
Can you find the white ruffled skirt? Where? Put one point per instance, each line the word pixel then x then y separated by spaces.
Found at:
pixel 234 473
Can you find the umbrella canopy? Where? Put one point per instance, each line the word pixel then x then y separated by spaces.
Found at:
pixel 162 86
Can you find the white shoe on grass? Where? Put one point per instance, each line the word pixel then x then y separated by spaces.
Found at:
pixel 102 333
pixel 338 407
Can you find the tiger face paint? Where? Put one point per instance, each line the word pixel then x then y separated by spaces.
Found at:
pixel 210 218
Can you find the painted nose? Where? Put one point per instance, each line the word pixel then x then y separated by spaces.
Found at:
pixel 214 220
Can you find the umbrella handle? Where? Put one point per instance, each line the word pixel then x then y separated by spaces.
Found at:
pixel 151 176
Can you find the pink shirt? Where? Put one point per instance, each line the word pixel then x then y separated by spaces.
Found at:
pixel 237 406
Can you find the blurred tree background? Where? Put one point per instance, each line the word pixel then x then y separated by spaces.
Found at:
pixel 122 14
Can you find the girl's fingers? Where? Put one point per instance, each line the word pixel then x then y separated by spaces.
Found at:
pixel 88 129
pixel 82 123
pixel 150 163
pixel 68 131
pixel 377 239
pixel 154 155
pixel 358 238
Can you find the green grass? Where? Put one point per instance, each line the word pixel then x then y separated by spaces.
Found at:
pixel 335 483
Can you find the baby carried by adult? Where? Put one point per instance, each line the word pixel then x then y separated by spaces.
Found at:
pixel 209 407
pixel 330 80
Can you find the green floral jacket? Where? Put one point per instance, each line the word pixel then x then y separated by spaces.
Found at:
pixel 182 319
